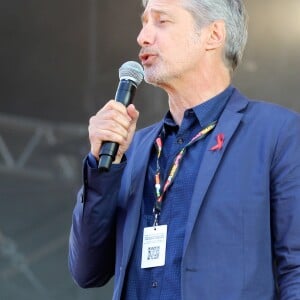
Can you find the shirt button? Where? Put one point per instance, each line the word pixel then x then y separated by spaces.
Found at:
pixel 180 141
pixel 154 284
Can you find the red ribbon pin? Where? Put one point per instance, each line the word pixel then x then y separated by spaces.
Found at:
pixel 220 142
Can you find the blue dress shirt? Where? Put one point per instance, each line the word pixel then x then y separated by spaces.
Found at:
pixel 165 282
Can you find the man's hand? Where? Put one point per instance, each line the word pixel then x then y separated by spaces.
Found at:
pixel 113 123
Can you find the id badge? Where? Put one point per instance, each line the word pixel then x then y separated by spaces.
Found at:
pixel 154 246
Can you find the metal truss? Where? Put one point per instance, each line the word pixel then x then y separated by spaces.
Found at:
pixel 18 262
pixel 40 149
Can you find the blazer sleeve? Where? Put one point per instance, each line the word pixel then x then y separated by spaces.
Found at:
pixel 92 236
pixel 285 209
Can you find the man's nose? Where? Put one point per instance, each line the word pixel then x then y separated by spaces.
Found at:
pixel 146 36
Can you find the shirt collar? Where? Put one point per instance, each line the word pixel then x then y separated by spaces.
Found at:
pixel 206 112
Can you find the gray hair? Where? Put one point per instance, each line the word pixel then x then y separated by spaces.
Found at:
pixel 233 13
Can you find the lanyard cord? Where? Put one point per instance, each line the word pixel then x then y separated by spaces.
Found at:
pixel 159 192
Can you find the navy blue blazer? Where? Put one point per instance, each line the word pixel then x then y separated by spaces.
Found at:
pixel 242 239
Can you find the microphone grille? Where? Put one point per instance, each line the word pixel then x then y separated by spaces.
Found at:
pixel 133 71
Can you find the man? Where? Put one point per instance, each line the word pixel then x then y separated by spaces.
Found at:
pixel 205 204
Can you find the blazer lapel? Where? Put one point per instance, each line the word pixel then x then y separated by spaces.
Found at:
pixel 227 125
pixel 139 168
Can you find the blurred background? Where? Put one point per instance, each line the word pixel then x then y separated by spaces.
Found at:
pixel 59 65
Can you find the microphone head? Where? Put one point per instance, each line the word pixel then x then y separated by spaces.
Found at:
pixel 131 70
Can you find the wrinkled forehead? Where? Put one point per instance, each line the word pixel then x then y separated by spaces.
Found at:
pixel 145 2
pixel 161 7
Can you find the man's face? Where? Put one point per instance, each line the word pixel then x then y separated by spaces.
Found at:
pixel 171 45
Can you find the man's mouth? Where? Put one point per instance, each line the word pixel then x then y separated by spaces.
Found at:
pixel 146 57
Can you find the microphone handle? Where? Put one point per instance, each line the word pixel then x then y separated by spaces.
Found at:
pixel 125 94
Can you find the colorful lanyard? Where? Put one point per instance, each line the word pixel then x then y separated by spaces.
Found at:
pixel 174 168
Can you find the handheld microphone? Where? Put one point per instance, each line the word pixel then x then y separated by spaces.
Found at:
pixel 131 74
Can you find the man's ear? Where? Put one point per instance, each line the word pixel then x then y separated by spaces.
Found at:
pixel 216 35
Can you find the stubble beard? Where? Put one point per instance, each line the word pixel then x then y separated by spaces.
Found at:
pixel 158 75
